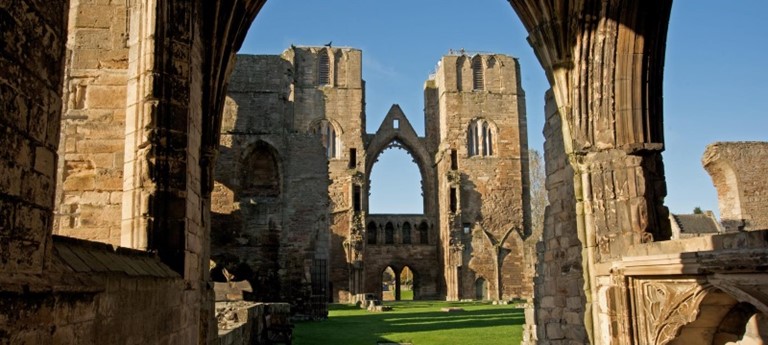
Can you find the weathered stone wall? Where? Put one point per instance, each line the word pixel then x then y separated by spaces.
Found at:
pixel 340 102
pixel 32 53
pixel 604 60
pixel 559 282
pixel 490 187
pixel 94 294
pixel 90 173
pixel 414 252
pixel 269 223
pixel 64 290
pixel 738 172
pixel 605 66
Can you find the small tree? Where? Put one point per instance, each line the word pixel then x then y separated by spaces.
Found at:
pixel 539 202
pixel 697 210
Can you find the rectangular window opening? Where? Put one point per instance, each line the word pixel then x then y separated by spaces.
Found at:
pixel 467 228
pixel 396 124
pixel 352 158
pixel 357 199
pixel 324 69
pixel 454 160
pixel 454 202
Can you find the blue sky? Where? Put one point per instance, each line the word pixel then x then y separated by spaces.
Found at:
pixel 716 60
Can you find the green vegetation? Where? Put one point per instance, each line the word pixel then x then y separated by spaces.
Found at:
pixel 417 322
pixel 406 295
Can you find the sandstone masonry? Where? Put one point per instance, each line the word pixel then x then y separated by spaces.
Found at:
pixel 305 111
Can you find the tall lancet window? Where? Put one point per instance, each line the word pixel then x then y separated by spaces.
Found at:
pixel 328 137
pixel 480 138
pixel 324 69
pixel 478 74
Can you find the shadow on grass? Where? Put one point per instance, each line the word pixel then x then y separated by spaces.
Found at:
pixel 412 320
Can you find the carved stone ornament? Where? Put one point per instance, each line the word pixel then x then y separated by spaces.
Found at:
pixel 353 247
pixel 358 223
pixel 664 306
pixel 453 177
pixel 358 178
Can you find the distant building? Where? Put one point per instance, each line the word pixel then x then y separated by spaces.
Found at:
pixel 694 225
pixel 290 202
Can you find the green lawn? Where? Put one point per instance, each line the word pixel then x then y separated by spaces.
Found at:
pixel 418 322
pixel 406 295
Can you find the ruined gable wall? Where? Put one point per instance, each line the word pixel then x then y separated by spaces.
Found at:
pixel 90 173
pixel 738 172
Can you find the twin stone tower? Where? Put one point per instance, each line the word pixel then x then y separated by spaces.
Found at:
pixel 290 202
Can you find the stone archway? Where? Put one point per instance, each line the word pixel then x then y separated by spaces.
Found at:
pixel 604 60
pixel 607 128
pixel 404 136
pixel 388 284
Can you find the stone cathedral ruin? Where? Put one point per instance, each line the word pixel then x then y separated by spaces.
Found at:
pixel 127 129
pixel 293 122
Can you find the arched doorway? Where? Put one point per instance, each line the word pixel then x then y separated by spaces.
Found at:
pixel 388 284
pixel 481 289
pixel 407 284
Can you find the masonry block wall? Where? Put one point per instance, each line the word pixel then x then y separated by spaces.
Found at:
pixel 559 281
pixel 270 198
pixel 57 290
pixel 329 96
pixel 30 100
pixel 418 252
pixel 101 296
pixel 738 172
pixel 90 173
pixel 479 112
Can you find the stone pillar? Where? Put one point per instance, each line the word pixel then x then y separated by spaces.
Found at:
pixel 605 65
pixel 559 280
pixel 90 173
pixel 140 110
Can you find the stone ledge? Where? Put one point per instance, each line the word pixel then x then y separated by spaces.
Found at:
pixel 95 257
pixel 80 266
pixel 726 253
pixel 738 240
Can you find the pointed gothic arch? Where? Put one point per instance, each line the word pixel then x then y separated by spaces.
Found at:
pixel 329 133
